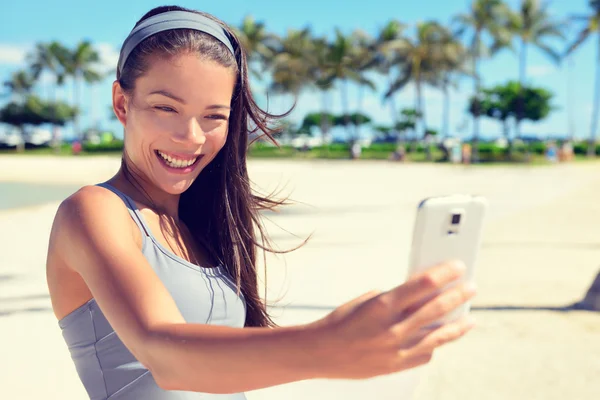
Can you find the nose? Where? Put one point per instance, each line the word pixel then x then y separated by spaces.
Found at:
pixel 190 133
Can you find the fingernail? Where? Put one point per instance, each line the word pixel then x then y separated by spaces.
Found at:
pixel 459 265
pixel 471 322
pixel 471 288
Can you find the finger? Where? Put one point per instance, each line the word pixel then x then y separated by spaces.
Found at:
pixel 425 284
pixel 439 306
pixel 433 339
pixel 352 304
pixel 413 361
pixel 414 337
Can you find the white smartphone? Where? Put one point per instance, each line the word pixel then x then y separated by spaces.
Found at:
pixel 447 228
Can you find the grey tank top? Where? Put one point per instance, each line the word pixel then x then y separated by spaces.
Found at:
pixel 106 367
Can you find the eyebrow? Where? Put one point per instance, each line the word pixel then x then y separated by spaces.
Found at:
pixel 180 100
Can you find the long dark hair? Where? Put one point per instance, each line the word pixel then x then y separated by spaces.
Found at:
pixel 220 209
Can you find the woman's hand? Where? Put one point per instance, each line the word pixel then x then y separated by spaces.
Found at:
pixel 383 333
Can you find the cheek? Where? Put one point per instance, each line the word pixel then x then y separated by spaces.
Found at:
pixel 217 139
pixel 141 132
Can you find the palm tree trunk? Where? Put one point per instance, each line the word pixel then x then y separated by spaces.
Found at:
pixel 392 103
pixel 446 112
pixel 506 132
pixel 522 77
pixel 55 127
pixel 571 118
pixel 344 93
pixel 361 91
pixel 521 100
pixel 475 146
pixel 324 122
pixel 76 85
pixel 92 110
pixel 421 111
pixel 421 107
pixel 592 142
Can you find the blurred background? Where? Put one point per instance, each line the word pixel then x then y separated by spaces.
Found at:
pixel 393 102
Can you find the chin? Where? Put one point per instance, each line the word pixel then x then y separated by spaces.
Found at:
pixel 176 188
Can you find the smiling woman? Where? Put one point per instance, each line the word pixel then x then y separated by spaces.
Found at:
pixel 152 274
pixel 187 96
pixel 183 98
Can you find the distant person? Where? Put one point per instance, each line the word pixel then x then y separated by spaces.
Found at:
pixel 76 147
pixel 399 154
pixel 456 153
pixel 551 151
pixel 466 153
pixel 566 151
pixel 153 273
pixel 56 139
pixel 355 150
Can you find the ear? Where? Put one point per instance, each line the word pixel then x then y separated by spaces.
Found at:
pixel 120 101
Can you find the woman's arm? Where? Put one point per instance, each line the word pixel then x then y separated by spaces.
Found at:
pixel 375 334
pixel 92 234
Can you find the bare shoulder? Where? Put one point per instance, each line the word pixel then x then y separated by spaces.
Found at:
pixel 90 216
pixel 92 202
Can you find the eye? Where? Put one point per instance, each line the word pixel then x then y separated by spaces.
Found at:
pixel 217 116
pixel 165 109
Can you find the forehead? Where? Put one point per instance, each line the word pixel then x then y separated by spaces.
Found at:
pixel 188 76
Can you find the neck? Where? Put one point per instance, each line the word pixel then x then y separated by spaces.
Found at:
pixel 142 191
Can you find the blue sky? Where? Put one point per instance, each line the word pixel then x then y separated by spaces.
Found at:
pixel 107 23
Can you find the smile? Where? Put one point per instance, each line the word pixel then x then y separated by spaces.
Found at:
pixel 178 161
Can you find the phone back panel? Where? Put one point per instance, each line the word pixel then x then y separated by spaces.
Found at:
pixel 448 227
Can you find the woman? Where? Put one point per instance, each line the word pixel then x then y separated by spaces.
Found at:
pixel 152 274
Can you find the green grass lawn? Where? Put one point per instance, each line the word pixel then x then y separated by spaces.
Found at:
pixel 489 156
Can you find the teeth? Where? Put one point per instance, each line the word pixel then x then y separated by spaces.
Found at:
pixel 175 163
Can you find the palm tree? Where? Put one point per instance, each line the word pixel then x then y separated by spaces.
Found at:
pixel 20 84
pixel 47 57
pixel 591 26
pixel 363 60
pixel 387 58
pixel 491 17
pixel 534 25
pixel 421 59
pixel 320 69
pixel 452 63
pixel 50 57
pixel 342 68
pixel 258 44
pixel 80 64
pixel 290 71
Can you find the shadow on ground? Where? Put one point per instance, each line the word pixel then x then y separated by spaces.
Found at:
pixel 567 308
pixel 543 245
pixel 7 278
pixel 14 305
pixel 7 313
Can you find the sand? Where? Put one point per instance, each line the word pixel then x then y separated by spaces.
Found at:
pixel 540 254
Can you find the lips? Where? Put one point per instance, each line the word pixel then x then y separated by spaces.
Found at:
pixel 176 160
pixel 175 165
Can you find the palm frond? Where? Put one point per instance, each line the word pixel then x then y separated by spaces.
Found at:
pixel 581 38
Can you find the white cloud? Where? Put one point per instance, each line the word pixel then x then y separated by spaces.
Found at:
pixel 537 71
pixel 109 57
pixel 11 54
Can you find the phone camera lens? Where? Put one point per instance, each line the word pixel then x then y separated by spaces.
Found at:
pixel 455 219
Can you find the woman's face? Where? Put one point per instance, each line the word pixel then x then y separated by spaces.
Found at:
pixel 177 119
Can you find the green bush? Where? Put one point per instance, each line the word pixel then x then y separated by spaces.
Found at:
pixel 114 146
pixel 387 147
pixel 582 148
pixel 263 150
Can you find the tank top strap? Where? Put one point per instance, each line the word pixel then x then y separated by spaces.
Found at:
pixel 131 207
